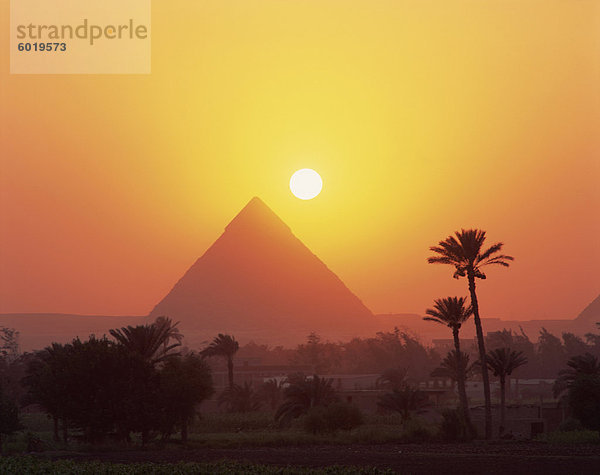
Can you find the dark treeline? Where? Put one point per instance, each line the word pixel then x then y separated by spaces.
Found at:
pixel 546 356
pixel 142 381
pixel 99 387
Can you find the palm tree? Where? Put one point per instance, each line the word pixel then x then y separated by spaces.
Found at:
pixel 240 398
pixel 465 253
pixel 452 312
pixel 271 392
pixel 586 364
pixel 151 342
pixel 224 346
pixel 503 361
pixel 303 393
pixel 452 364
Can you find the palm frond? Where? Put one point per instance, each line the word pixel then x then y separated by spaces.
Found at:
pixel 503 361
pixel 449 311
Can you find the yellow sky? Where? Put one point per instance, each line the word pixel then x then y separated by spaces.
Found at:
pixel 422 117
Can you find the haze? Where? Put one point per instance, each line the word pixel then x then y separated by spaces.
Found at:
pixel 421 117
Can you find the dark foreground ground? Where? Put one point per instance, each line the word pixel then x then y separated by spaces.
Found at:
pixel 530 458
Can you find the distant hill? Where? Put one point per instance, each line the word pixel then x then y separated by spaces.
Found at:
pixel 261 282
pixel 38 330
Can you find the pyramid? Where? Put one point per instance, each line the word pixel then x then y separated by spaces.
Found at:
pixel 259 281
pixel 590 314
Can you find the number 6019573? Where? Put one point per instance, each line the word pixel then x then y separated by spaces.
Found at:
pixel 42 47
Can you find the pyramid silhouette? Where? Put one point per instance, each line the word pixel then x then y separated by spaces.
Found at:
pixel 259 281
pixel 586 320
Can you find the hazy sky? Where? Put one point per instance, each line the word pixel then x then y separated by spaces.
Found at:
pixel 421 116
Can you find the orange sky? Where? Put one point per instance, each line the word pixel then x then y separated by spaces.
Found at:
pixel 421 116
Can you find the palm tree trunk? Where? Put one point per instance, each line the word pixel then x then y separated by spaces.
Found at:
pixel 230 370
pixel 482 357
pixel 502 403
pixel 460 381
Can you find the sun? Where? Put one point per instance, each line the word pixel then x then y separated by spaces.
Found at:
pixel 306 184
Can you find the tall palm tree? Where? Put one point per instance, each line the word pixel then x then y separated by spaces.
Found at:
pixel 502 362
pixel 151 342
pixel 452 312
pixel 224 346
pixel 465 252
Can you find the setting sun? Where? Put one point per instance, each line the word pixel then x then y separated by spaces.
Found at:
pixel 306 184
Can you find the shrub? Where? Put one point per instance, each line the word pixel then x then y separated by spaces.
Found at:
pixel 301 394
pixel 415 432
pixel 454 428
pixel 571 437
pixel 9 417
pixel 584 399
pixel 570 424
pixel 403 401
pixel 337 416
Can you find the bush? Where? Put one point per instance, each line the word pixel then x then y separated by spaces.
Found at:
pixel 571 437
pixel 454 428
pixel 9 418
pixel 233 422
pixel 570 424
pixel 584 399
pixel 415 432
pixel 337 416
pixel 35 465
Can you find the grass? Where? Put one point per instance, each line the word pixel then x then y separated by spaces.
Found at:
pixel 233 422
pixel 225 430
pixel 33 466
pixel 573 437
pixel 260 430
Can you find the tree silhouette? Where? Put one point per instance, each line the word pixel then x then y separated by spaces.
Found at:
pixel 240 398
pixel 47 381
pixel 465 252
pixel 184 383
pixel 584 397
pixel 452 312
pixel 519 342
pixel 97 386
pixel 574 345
pixel 551 354
pixel 451 365
pixel 586 364
pixel 393 378
pixel 593 340
pixel 223 346
pixel 9 417
pixel 150 342
pixel 9 343
pixel 303 393
pixel 271 392
pixel 321 357
pixel 503 361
